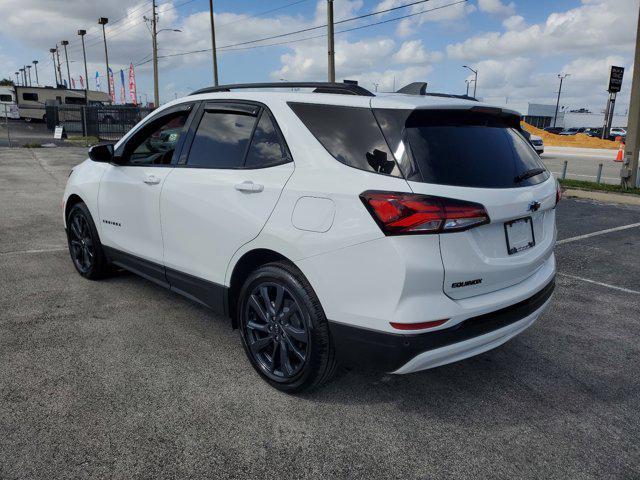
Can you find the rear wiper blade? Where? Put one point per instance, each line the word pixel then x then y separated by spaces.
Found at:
pixel 528 174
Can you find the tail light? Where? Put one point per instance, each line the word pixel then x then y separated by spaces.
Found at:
pixel 558 192
pixel 409 213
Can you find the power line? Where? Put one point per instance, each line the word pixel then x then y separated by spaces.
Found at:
pixel 242 45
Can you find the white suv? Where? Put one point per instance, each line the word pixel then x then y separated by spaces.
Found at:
pixel 399 232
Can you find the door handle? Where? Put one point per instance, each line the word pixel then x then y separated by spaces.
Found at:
pixel 151 180
pixel 249 187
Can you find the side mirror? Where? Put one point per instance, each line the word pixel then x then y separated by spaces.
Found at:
pixel 101 153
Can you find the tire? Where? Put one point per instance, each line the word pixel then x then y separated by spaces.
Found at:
pixel 84 244
pixel 288 342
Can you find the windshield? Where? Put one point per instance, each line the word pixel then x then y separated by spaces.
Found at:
pixel 466 148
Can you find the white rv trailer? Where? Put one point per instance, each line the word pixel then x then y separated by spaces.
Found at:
pixel 8 106
pixel 33 100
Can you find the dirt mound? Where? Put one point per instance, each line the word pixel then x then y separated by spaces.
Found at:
pixel 578 141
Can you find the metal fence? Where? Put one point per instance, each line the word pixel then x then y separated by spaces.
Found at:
pixel 107 122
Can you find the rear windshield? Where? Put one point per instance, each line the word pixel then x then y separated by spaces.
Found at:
pixel 463 148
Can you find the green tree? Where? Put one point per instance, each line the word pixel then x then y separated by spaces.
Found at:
pixel 5 82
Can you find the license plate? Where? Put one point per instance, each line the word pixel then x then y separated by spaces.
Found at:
pixel 519 235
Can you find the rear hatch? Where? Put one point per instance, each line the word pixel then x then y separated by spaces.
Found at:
pixel 478 155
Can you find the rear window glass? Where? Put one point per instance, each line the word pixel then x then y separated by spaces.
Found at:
pixel 33 97
pixel 350 134
pixel 469 149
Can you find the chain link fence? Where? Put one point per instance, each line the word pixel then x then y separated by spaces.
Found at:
pixel 110 122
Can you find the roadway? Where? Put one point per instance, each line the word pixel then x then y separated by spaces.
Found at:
pixel 582 163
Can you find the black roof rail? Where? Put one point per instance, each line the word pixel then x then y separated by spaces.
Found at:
pixel 319 87
pixel 451 95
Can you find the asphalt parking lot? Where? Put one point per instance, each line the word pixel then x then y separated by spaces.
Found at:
pixel 121 379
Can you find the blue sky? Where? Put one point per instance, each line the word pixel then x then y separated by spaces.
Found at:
pixel 518 46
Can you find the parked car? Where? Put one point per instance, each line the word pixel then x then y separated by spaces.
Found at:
pixel 572 131
pixel 593 132
pixel 537 143
pixel 399 232
pixel 618 132
pixel 554 130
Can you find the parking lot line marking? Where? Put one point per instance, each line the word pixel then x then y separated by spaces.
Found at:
pixel 614 287
pixel 26 252
pixel 595 234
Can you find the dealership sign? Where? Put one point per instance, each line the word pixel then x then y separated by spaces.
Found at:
pixel 615 79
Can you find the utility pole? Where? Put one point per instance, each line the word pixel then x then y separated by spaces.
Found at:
pixel 561 77
pixel 154 33
pixel 82 33
pixel 475 85
pixel 629 173
pixel 213 45
pixel 29 74
pixel 331 52
pixel 103 21
pixel 55 72
pixel 35 65
pixel 59 68
pixel 66 59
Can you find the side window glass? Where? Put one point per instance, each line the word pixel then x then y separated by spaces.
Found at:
pixel 156 145
pixel 266 147
pixel 350 134
pixel 221 140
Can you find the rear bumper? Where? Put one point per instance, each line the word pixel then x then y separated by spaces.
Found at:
pixel 410 353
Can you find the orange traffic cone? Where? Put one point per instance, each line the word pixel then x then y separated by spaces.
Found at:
pixel 620 156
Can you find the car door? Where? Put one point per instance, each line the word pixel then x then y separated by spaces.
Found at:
pixel 222 192
pixel 129 194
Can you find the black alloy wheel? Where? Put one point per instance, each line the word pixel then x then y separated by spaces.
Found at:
pixel 275 330
pixel 284 330
pixel 80 243
pixel 84 244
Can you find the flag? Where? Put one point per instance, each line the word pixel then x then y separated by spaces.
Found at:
pixel 112 86
pixel 73 83
pixel 81 81
pixel 132 86
pixel 123 98
pixel 97 80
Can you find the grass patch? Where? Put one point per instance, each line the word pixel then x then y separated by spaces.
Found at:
pixel 31 145
pixel 601 187
pixel 83 141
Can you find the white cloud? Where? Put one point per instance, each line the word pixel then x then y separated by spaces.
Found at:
pixel 515 22
pixel 436 11
pixel 413 52
pixel 309 61
pixel 595 26
pixel 496 7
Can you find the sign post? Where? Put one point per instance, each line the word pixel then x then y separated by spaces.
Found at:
pixel 615 85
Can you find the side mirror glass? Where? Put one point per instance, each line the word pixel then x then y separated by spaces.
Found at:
pixel 101 153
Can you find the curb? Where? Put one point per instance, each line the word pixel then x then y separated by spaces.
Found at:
pixel 606 197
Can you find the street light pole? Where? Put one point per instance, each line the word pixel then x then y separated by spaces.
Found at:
pixel 59 68
pixel 17 79
pixel 475 85
pixel 35 65
pixel 561 77
pixel 82 33
pixel 29 73
pixel 213 45
pixel 66 59
pixel 330 43
pixel 103 21
pixel 154 33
